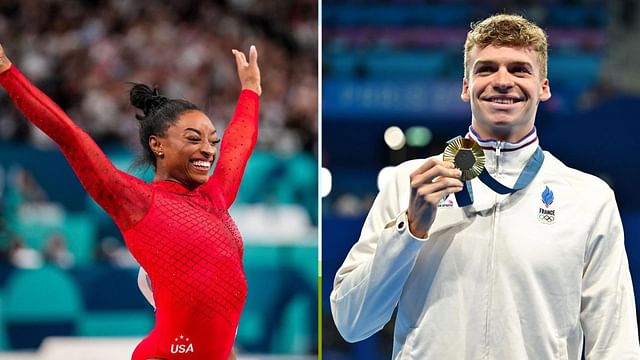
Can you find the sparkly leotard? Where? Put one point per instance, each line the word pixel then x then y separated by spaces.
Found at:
pixel 185 240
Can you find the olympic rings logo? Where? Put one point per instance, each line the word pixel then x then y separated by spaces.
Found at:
pixel 546 218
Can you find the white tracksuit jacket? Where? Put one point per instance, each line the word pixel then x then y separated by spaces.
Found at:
pixel 499 279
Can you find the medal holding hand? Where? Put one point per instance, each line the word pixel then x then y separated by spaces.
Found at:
pixel 431 182
pixel 463 160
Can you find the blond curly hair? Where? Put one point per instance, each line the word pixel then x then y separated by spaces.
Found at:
pixel 507 30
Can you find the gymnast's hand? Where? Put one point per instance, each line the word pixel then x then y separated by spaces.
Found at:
pixel 431 182
pixel 5 64
pixel 248 72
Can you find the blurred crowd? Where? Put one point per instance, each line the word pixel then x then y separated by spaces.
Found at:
pixel 83 53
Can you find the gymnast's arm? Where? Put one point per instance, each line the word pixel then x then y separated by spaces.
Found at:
pixel 123 196
pixel 242 132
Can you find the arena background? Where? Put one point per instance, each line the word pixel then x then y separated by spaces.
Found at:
pixel 399 63
pixel 65 275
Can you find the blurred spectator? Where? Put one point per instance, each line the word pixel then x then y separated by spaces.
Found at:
pixel 57 253
pixel 26 187
pixel 112 251
pixel 22 256
pixel 26 200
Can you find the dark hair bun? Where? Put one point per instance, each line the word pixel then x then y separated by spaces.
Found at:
pixel 146 99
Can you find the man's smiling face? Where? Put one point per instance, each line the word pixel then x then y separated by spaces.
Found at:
pixel 504 87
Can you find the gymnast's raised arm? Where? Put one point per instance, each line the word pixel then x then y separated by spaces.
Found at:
pixel 123 196
pixel 241 133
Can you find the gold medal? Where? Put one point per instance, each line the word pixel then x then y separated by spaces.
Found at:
pixel 466 155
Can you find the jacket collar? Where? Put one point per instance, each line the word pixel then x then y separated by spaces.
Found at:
pixel 505 158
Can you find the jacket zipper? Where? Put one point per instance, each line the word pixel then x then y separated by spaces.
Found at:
pixel 492 245
pixel 499 145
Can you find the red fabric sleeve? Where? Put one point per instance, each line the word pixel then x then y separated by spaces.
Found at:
pixel 237 144
pixel 124 197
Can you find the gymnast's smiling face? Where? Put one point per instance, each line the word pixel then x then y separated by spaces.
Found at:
pixel 186 151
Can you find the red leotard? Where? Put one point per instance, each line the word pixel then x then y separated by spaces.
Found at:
pixel 185 240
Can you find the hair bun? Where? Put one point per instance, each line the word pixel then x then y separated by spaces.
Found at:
pixel 146 99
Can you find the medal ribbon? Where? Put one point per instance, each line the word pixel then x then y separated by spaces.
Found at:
pixel 465 197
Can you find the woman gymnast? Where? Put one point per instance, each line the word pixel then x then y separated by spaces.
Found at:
pixel 177 227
